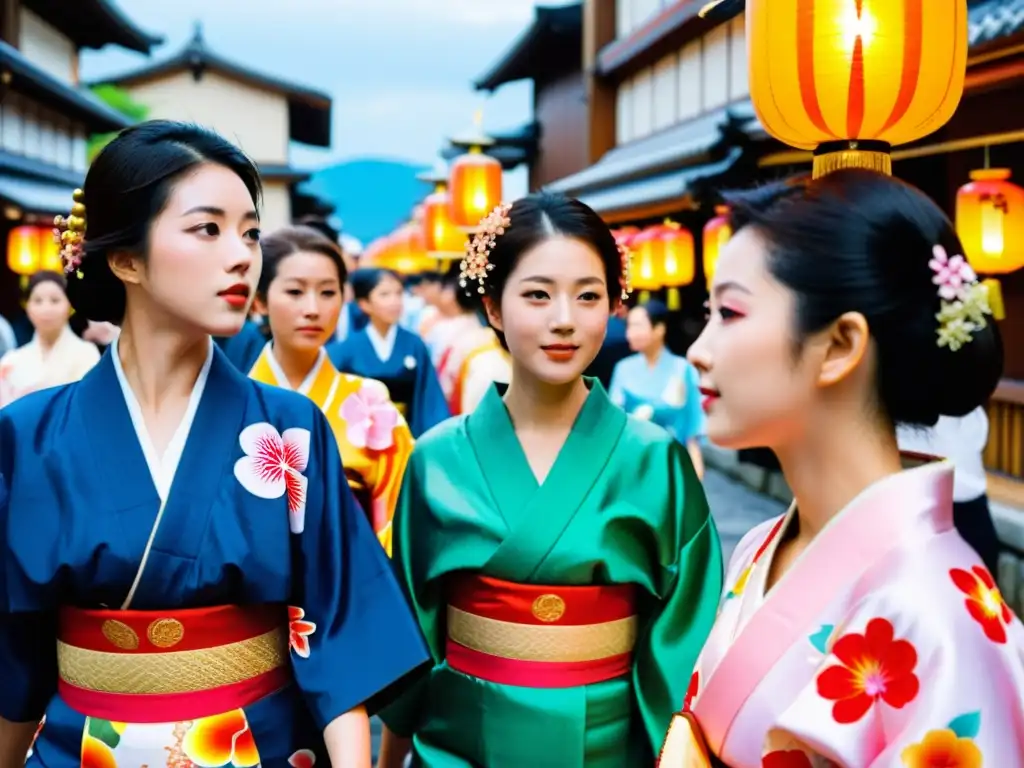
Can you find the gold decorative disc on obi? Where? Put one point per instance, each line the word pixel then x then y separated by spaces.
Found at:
pixel 165 633
pixel 548 608
pixel 120 635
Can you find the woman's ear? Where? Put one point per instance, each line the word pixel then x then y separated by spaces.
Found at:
pixel 126 267
pixel 493 310
pixel 848 340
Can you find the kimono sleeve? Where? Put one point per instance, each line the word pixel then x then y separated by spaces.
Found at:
pixel 28 629
pixel 429 406
pixel 692 576
pixel 936 679
pixel 351 633
pixel 387 480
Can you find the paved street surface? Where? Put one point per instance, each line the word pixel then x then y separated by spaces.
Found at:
pixel 736 510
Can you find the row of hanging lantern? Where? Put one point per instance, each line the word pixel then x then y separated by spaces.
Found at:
pixel 31 249
pixel 438 232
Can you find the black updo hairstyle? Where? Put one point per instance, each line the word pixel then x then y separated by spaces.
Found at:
pixel 45 276
pixel 284 242
pixel 365 279
pixel 858 241
pixel 656 311
pixel 127 187
pixel 536 218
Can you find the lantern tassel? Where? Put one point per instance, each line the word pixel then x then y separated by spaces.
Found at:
pixel 836 155
pixel 995 298
pixel 674 300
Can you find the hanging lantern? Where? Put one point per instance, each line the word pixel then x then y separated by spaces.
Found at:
pixel 647 255
pixel 716 234
pixel 475 182
pixel 444 240
pixel 678 261
pixel 373 253
pixel 851 78
pixel 25 249
pixel 408 254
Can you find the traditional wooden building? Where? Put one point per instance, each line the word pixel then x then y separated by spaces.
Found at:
pixel 46 118
pixel 263 113
pixel 549 54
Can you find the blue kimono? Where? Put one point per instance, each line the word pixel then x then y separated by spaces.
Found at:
pixel 667 394
pixel 247 510
pixel 243 349
pixel 405 368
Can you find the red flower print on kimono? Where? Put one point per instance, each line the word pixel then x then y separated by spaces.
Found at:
pixel 273 465
pixel 942 749
pixel 221 740
pixel 872 666
pixel 692 691
pixel 299 631
pixel 788 758
pixel 984 602
pixel 96 754
pixel 304 758
pixel 370 417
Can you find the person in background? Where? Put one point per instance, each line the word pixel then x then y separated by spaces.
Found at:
pixel 55 355
pixel 100 334
pixel 8 339
pixel 614 348
pixel 962 440
pixel 413 303
pixel 656 385
pixel 385 351
pixel 300 294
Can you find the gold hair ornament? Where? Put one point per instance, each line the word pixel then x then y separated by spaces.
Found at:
pixel 69 234
pixel 476 264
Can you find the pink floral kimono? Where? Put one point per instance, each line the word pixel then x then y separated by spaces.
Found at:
pixel 887 644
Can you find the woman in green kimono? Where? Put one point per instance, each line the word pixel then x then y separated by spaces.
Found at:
pixel 559 554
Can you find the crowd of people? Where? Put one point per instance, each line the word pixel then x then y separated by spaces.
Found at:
pixel 295 492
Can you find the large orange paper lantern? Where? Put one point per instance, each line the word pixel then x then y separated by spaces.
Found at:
pixel 716 234
pixel 475 180
pixel 990 222
pixel 647 253
pixel 408 253
pixel 851 78
pixel 444 240
pixel 25 249
pixel 678 260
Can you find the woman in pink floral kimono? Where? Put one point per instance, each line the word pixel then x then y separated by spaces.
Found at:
pixel 300 293
pixel 858 630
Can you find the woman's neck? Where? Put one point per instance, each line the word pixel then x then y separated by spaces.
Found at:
pixel 48 341
pixel 161 364
pixel 653 353
pixel 295 363
pixel 382 328
pixel 535 404
pixel 832 464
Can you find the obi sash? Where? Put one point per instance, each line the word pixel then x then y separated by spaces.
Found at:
pixel 170 666
pixel 540 636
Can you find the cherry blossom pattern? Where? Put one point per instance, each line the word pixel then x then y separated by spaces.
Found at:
pixel 984 601
pixel 303 758
pixel 273 465
pixel 692 690
pixel 953 275
pixel 964 301
pixel 872 666
pixel 299 630
pixel 370 417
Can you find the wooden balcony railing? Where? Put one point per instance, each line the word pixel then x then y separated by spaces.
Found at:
pixel 1004 453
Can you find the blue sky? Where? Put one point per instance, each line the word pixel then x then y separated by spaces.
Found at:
pixel 400 71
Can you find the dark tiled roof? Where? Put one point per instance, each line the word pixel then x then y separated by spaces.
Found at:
pixel 309 111
pixel 555 38
pixel 94 23
pixel 991 19
pixel 77 103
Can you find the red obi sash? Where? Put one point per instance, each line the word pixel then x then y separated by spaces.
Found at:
pixel 540 636
pixel 170 666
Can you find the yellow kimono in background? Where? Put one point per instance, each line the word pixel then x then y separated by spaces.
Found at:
pixel 373 437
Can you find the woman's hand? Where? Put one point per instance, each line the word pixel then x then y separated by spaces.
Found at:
pixel 15 742
pixel 348 740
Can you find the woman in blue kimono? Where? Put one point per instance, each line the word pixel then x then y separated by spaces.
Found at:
pixel 185 578
pixel 655 385
pixel 385 351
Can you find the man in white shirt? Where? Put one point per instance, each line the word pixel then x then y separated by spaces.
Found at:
pixel 962 440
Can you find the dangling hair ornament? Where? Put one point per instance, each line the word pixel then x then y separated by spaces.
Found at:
pixel 626 274
pixel 965 301
pixel 476 264
pixel 69 234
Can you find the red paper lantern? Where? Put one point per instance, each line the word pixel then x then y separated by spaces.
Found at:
pixel 475 187
pixel 647 254
pixel 26 246
pixel 678 261
pixel 990 222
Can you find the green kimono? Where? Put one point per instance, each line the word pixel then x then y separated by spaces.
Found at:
pixel 621 505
